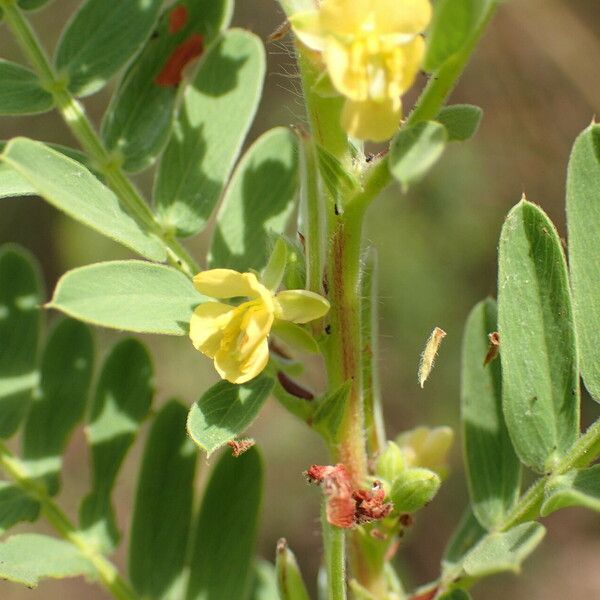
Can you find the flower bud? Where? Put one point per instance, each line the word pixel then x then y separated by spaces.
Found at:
pixel 390 462
pixel 289 579
pixel 427 447
pixel 413 489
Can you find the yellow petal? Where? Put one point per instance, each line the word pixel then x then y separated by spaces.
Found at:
pixel 372 120
pixel 401 16
pixel 352 83
pixel 307 27
pixel 301 306
pixel 344 17
pixel 237 371
pixel 254 328
pixel 413 59
pixel 207 326
pixel 226 283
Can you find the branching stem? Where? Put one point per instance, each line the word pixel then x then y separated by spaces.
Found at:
pixel 76 120
pixel 107 572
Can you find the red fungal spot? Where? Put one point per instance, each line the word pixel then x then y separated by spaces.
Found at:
pixel 183 54
pixel 178 19
pixel 238 447
pixel 370 505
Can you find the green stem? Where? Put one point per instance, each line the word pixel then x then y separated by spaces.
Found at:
pixel 584 452
pixel 312 216
pixel 334 541
pixel 344 346
pixel 76 120
pixel 442 83
pixel 374 424
pixel 107 572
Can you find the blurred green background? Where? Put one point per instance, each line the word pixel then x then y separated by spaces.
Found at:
pixel 536 77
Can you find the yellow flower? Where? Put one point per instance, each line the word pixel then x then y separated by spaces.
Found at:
pixel 372 50
pixel 235 337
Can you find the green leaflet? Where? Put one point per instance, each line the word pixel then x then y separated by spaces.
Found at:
pixel 163 507
pixel 460 120
pixel 328 416
pixel 506 551
pixel 583 219
pixel 128 294
pixel 290 583
pixel 295 336
pixel 217 110
pixel 222 553
pixel 225 411
pixel 493 469
pixel 465 537
pixel 121 402
pixel 265 582
pixel 12 184
pixel 259 200
pixel 574 488
pixel 138 122
pixel 453 24
pixel 29 557
pixel 15 506
pixel 100 38
pixel 414 150
pixel 21 92
pixel 65 378
pixel 21 295
pixel 294 6
pixel 70 187
pixel 539 362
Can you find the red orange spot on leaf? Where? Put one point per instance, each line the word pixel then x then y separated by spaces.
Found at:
pixel 178 18
pixel 183 54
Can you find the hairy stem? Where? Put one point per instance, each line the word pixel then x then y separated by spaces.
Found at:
pixel 107 572
pixel 76 120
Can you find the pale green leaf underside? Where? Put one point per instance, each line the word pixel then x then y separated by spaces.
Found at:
pixel 414 150
pixel 29 557
pixel 131 295
pixel 539 361
pixel 460 120
pixel 505 551
pixel 225 411
pixel 70 187
pixel 493 469
pixel 467 534
pixel 583 219
pixel 265 582
pixel 575 488
pixel 217 110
